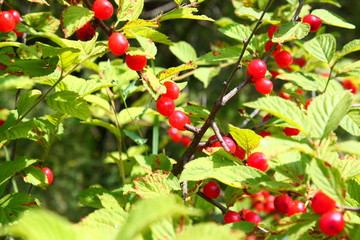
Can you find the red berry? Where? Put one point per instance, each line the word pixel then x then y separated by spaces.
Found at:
pixel 284 95
pixel 267 117
pixel 211 190
pixel 257 160
pixel 7 22
pixel 348 84
pixel 257 68
pixel 264 86
pixel 86 32
pixel 103 9
pixel 118 43
pixel 321 203
pixel 239 153
pixel 271 31
pixel 172 90
pixel 264 133
pixel 269 204
pixel 244 212
pixel 175 134
pixel 229 143
pixel 297 207
pixel 165 106
pixel 49 174
pixel 231 217
pixel 283 59
pixel 16 15
pixel 274 74
pixel 332 223
pixel 178 119
pixel 283 203
pixel 307 103
pixel 136 62
pixel 268 46
pixel 313 21
pixel 300 61
pixel 291 131
pixel 252 217
pixel 185 141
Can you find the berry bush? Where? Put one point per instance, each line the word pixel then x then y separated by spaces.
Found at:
pixel 136 119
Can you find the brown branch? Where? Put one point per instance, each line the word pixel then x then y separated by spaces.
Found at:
pixel 298 11
pixel 213 202
pixel 352 209
pixel 192 128
pixel 218 135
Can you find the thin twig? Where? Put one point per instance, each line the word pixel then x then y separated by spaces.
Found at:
pixel 298 11
pixel 352 209
pixel 219 136
pixel 213 202
pixel 192 128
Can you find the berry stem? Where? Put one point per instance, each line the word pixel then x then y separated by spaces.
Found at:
pixel 352 209
pixel 213 202
pixel 218 135
pixel 298 10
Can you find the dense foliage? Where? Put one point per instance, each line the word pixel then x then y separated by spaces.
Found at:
pixel 249 132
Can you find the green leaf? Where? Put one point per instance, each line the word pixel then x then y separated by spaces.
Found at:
pixel 290 31
pixel 110 127
pixel 332 19
pixel 44 2
pixel 322 47
pixel 35 176
pixel 9 169
pixel 232 195
pixel 307 81
pixel 27 99
pixel 209 231
pixel 245 138
pixel 149 33
pixel 196 112
pixel 206 74
pixel 252 13
pixel 183 51
pixel 283 109
pixel 33 68
pixel 175 70
pixel 139 140
pixel 152 83
pixel 349 167
pixel 236 31
pixel 74 18
pixel 41 22
pixel 328 179
pixel 272 147
pixel 155 184
pixel 326 112
pixel 68 102
pixel 350 125
pixel 150 211
pixel 39 224
pixel 350 47
pixel 138 23
pixel 11 82
pixel 129 10
pixel 224 171
pixel 147 44
pixel 91 197
pixel 350 69
pixel 350 147
pixel 224 54
pixel 183 13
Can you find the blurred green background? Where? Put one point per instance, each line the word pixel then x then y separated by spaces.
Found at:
pixel 77 158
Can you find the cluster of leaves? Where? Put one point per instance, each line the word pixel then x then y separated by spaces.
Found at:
pixel 148 204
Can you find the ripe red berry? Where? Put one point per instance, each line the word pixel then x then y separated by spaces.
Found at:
pixel 185 141
pixel 178 119
pixel 257 160
pixel 211 190
pixel 269 204
pixel 297 207
pixel 264 86
pixel 243 212
pixel 264 133
pixel 268 46
pixel 172 90
pixel 283 59
pixel 103 9
pixel 49 174
pixel 332 223
pixel 165 106
pixel 284 95
pixel 175 134
pixel 274 74
pixel 118 43
pixel 229 143
pixel 300 61
pixel 308 102
pixel 291 131
pixel 283 203
pixel 313 21
pixel 257 68
pixel 16 15
pixel 321 203
pixel 271 31
pixel 252 217
pixel 239 153
pixel 231 217
pixel 7 22
pixel 136 62
pixel 348 84
pixel 86 32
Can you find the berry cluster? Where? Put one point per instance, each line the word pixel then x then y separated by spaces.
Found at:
pixel 332 221
pixel 257 69
pixel 263 201
pixel 176 136
pixel 286 205
pixel 243 215
pixel 8 21
pixel 165 106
